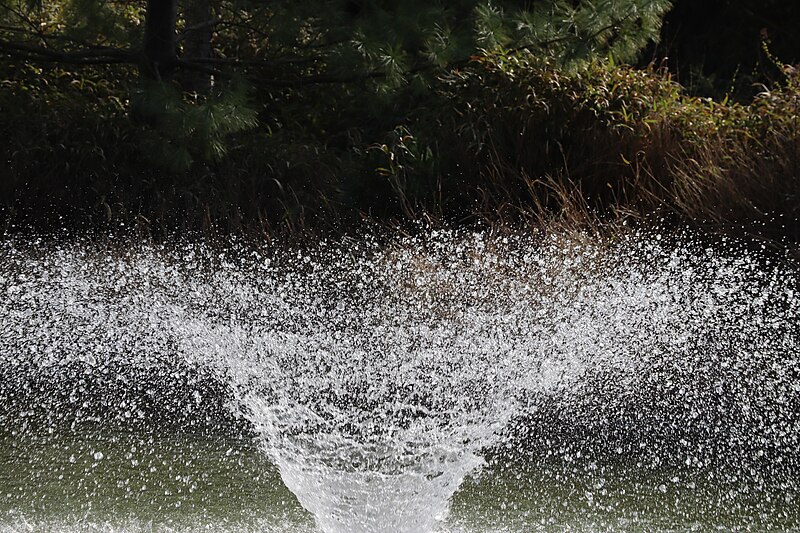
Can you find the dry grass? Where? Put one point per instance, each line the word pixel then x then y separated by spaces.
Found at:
pixel 507 140
pixel 615 143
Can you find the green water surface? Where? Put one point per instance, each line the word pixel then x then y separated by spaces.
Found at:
pixel 116 481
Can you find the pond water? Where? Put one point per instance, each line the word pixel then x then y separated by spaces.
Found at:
pixel 115 481
pixel 450 382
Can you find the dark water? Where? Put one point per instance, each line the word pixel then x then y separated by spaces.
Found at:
pixel 116 481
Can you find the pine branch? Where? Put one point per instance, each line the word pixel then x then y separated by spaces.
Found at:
pixel 27 37
pixel 265 63
pixel 21 16
pixel 218 67
pixel 88 56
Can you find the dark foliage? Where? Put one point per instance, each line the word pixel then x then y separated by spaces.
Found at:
pixel 304 118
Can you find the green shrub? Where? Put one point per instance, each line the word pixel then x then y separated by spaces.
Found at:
pixel 514 135
pixel 504 138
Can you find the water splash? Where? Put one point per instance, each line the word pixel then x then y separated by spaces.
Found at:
pixel 378 376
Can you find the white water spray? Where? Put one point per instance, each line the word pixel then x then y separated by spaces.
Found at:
pixel 377 376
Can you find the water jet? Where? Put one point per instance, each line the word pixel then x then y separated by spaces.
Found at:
pixel 454 381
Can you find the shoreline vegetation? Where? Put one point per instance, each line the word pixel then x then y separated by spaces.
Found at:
pixel 490 126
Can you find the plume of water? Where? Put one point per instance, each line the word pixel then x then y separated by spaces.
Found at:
pixel 377 376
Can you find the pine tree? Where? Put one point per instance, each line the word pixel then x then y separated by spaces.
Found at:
pixel 193 71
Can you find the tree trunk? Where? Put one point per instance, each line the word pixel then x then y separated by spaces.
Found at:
pixel 196 40
pixel 160 42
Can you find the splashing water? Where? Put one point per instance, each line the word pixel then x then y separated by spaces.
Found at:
pixel 378 377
